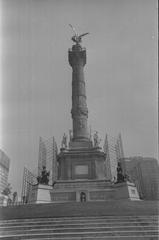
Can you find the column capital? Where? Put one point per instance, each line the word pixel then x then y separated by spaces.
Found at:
pixel 77 56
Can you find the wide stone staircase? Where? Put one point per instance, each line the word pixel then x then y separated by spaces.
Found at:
pixel 81 228
pixel 114 220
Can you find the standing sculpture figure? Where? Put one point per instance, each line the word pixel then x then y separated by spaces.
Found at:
pixel 70 134
pixel 120 176
pixel 64 141
pixel 77 38
pixel 96 140
pixel 44 178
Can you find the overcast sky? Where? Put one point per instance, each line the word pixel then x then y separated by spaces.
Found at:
pixel 120 75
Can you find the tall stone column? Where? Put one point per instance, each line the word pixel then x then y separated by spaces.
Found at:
pixel 77 60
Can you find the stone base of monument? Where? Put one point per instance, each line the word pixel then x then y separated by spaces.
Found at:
pixel 40 194
pixel 126 190
pixel 92 190
pixel 83 191
pixel 80 144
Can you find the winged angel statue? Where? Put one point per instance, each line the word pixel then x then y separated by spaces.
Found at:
pixel 77 38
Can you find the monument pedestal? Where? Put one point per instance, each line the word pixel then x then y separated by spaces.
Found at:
pixel 126 190
pixel 81 163
pixel 40 194
pixel 92 190
pixel 82 177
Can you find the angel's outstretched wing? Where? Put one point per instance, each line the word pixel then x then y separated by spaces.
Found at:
pixel 73 29
pixel 82 35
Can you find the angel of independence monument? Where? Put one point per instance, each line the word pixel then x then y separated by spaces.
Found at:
pixel 81 163
pixel 81 160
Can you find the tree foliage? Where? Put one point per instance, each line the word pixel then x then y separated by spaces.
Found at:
pixel 7 190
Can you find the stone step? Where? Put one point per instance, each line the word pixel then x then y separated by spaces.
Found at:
pixel 152 237
pixel 135 237
pixel 83 235
pixel 113 208
pixel 72 225
pixel 82 219
pixel 51 229
pixel 114 221
pixel 78 223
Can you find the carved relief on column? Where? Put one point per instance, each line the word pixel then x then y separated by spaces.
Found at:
pixel 79 109
pixel 77 60
pixel 80 127
pixel 78 87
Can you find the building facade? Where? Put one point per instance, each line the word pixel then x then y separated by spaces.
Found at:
pixel 144 172
pixel 48 157
pixel 29 179
pixel 4 170
pixel 113 148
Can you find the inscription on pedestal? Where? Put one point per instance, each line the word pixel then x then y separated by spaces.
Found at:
pixel 63 196
pixel 81 169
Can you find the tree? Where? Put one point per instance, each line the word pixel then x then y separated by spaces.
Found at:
pixel 14 196
pixel 7 190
